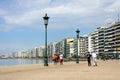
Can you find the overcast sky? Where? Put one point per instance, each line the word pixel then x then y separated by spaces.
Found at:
pixel 22 26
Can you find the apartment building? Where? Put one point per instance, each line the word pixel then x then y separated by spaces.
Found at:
pixel 68 47
pixel 112 38
pixel 19 54
pixel 65 46
pixel 106 39
pixel 30 53
pixel 93 41
pixel 117 37
pixel 36 52
pixel 41 51
pixel 52 49
pixel 82 46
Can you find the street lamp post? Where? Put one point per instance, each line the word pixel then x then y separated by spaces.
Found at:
pixel 77 33
pixel 46 18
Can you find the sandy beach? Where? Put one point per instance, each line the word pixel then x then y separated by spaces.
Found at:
pixel 106 70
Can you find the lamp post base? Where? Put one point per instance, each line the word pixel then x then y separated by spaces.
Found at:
pixel 77 60
pixel 46 62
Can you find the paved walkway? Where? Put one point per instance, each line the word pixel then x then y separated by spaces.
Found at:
pixel 106 70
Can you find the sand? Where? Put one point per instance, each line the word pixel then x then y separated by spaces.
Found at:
pixel 106 70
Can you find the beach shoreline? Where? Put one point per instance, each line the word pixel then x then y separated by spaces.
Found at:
pixel 106 70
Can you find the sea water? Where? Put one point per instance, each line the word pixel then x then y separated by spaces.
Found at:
pixel 9 62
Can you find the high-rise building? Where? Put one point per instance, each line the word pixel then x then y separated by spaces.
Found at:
pixel 52 49
pixel 65 46
pixel 112 38
pixel 106 39
pixel 82 46
pixel 93 42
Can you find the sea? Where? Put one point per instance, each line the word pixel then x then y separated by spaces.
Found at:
pixel 10 62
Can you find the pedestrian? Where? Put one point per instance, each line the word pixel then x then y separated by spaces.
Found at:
pixel 89 59
pixel 94 56
pixel 55 59
pixel 61 59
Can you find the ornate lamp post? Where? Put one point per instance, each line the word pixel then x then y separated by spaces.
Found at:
pixel 77 34
pixel 46 18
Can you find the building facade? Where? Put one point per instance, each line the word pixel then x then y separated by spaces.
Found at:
pixel 82 46
pixel 106 39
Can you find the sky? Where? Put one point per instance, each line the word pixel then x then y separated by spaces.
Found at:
pixel 22 26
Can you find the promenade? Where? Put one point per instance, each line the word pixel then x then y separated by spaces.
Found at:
pixel 106 70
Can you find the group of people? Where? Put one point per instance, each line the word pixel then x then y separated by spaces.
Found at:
pixel 92 56
pixel 58 58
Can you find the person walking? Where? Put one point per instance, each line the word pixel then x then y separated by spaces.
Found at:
pixel 94 56
pixel 89 59
pixel 61 59
pixel 55 59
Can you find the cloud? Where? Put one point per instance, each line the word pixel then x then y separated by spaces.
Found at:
pixel 26 18
pixel 109 20
pixel 30 12
pixel 59 10
pixel 5 28
pixel 114 6
pixel 73 7
pixel 30 4
pixel 2 12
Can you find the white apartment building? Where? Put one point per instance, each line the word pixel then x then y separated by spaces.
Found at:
pixel 106 39
pixel 93 42
pixel 41 51
pixel 52 49
pixel 20 54
pixel 83 46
